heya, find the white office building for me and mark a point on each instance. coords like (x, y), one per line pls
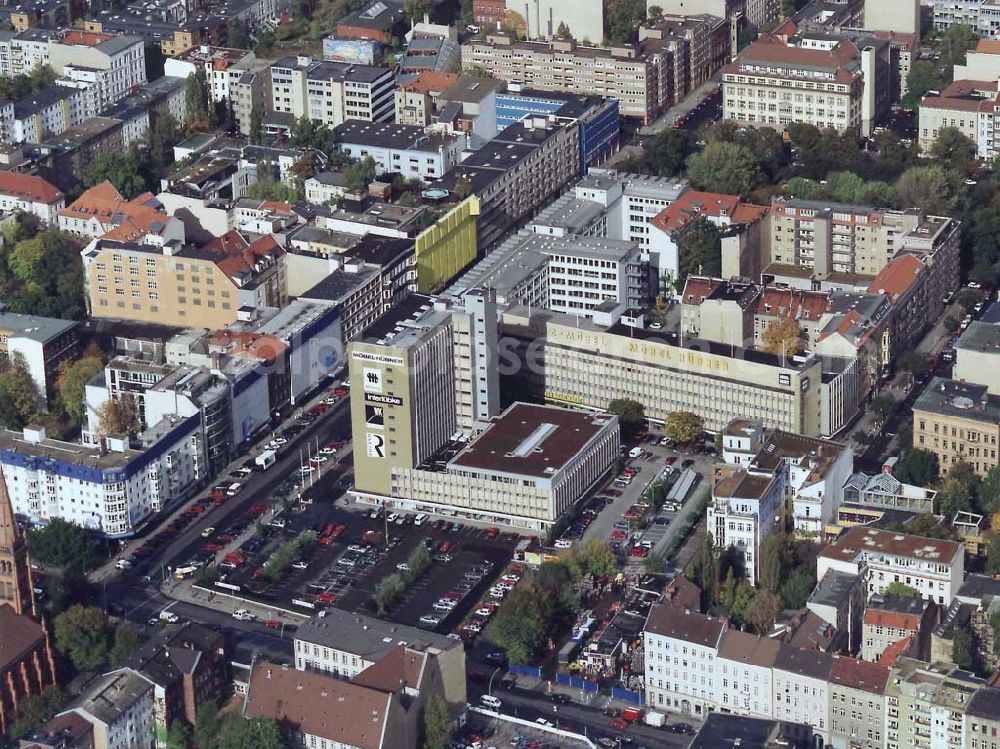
(332, 92)
(403, 149)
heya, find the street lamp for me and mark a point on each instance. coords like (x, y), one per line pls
(489, 689)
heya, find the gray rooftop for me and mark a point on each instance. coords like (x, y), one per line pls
(980, 336)
(834, 589)
(114, 694)
(959, 399)
(570, 213)
(41, 329)
(367, 637)
(390, 135)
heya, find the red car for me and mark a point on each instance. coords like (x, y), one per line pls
(445, 547)
(493, 532)
(326, 597)
(340, 392)
(638, 552)
(618, 536)
(258, 509)
(325, 540)
(214, 547)
(618, 723)
(272, 624)
(338, 531)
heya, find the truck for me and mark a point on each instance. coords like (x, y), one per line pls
(266, 459)
(631, 714)
(655, 719)
(184, 572)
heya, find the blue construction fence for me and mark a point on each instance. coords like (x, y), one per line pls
(626, 695)
(577, 682)
(517, 668)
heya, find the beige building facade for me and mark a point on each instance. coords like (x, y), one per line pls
(958, 421)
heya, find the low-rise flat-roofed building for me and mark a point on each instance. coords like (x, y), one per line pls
(935, 568)
(402, 149)
(958, 421)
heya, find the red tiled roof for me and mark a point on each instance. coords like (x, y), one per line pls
(698, 287)
(851, 672)
(958, 104)
(769, 49)
(125, 220)
(430, 82)
(260, 346)
(897, 277)
(989, 46)
(400, 668)
(234, 255)
(894, 619)
(794, 303)
(85, 38)
(891, 654)
(693, 204)
(29, 186)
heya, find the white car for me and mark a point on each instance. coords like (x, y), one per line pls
(278, 523)
(403, 567)
(484, 611)
(233, 490)
(543, 722)
(393, 517)
(169, 617)
(357, 549)
(300, 565)
(563, 543)
(123, 564)
(473, 29)
(429, 620)
(243, 615)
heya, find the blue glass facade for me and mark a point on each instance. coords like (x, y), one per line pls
(598, 130)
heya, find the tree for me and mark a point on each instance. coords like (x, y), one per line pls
(775, 558)
(683, 426)
(703, 569)
(415, 10)
(795, 591)
(388, 593)
(519, 626)
(35, 710)
(208, 725)
(926, 526)
(917, 466)
(598, 558)
(630, 413)
(783, 337)
(258, 733)
(989, 491)
(60, 543)
(962, 651)
(923, 77)
(131, 173)
(667, 152)
(901, 589)
(699, 248)
(360, 175)
(623, 20)
(726, 168)
(256, 134)
(178, 735)
(952, 150)
(563, 31)
(42, 274)
(928, 188)
(882, 406)
(913, 362)
(436, 724)
(125, 644)
(956, 40)
(18, 87)
(766, 608)
(654, 15)
(119, 416)
(960, 491)
(72, 380)
(82, 634)
(19, 397)
(993, 554)
(196, 98)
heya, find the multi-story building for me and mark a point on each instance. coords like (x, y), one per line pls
(42, 344)
(983, 16)
(26, 193)
(223, 67)
(415, 97)
(119, 705)
(744, 680)
(47, 113)
(401, 149)
(802, 687)
(522, 168)
(101, 211)
(958, 421)
(65, 158)
(857, 704)
(250, 92)
(926, 704)
(331, 92)
(21, 52)
(587, 364)
(889, 619)
(176, 285)
(744, 511)
(969, 109)
(109, 67)
(542, 19)
(188, 667)
(755, 14)
(681, 654)
(773, 84)
(639, 76)
(933, 567)
(977, 356)
(982, 720)
(112, 489)
(574, 276)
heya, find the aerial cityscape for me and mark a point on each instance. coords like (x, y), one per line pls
(488, 374)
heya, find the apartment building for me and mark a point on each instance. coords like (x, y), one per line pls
(47, 113)
(402, 149)
(119, 706)
(745, 673)
(574, 276)
(682, 660)
(802, 688)
(21, 52)
(772, 84)
(111, 490)
(415, 97)
(638, 76)
(332, 92)
(926, 704)
(101, 211)
(982, 720)
(25, 193)
(173, 284)
(977, 356)
(982, 15)
(42, 343)
(250, 91)
(889, 619)
(934, 568)
(958, 421)
(857, 704)
(744, 511)
(223, 67)
(970, 111)
(108, 66)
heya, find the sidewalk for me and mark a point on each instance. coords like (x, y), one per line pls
(684, 107)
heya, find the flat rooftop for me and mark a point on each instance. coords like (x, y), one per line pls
(963, 400)
(366, 636)
(980, 336)
(42, 329)
(531, 440)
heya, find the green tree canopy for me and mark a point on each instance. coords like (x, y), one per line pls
(630, 413)
(917, 466)
(60, 543)
(725, 168)
(699, 248)
(72, 381)
(683, 426)
(82, 635)
(929, 188)
(923, 77)
(19, 396)
(126, 641)
(952, 150)
(901, 589)
(436, 724)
